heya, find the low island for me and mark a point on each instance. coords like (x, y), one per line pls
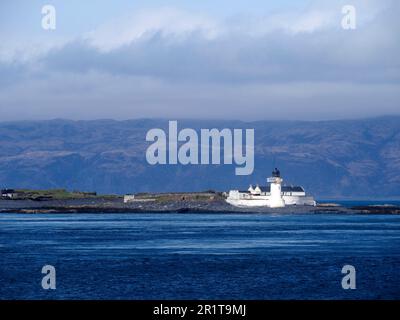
(63, 201)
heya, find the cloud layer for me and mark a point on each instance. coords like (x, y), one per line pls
(172, 63)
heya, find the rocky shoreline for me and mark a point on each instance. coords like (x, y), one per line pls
(116, 205)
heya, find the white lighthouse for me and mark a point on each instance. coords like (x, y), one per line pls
(273, 195)
(276, 199)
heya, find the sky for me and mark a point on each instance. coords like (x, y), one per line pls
(209, 59)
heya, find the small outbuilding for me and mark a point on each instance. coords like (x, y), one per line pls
(9, 193)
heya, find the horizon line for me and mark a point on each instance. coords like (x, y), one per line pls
(200, 119)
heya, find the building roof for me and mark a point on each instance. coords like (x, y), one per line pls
(6, 191)
(284, 189)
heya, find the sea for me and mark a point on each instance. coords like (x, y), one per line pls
(199, 256)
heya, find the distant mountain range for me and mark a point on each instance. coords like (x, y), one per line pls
(331, 159)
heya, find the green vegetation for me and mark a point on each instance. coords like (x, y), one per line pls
(61, 194)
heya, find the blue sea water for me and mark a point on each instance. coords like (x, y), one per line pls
(199, 256)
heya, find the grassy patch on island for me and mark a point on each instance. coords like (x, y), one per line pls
(60, 194)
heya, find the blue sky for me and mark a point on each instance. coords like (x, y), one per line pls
(205, 59)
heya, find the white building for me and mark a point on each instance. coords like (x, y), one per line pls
(129, 198)
(274, 195)
(9, 193)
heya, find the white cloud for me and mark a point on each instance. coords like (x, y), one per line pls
(173, 24)
(170, 62)
(170, 23)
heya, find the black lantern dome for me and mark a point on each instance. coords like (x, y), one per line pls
(276, 173)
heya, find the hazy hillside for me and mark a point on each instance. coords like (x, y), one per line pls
(359, 158)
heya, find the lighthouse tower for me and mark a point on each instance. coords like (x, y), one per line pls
(276, 200)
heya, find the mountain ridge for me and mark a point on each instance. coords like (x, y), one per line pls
(355, 158)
